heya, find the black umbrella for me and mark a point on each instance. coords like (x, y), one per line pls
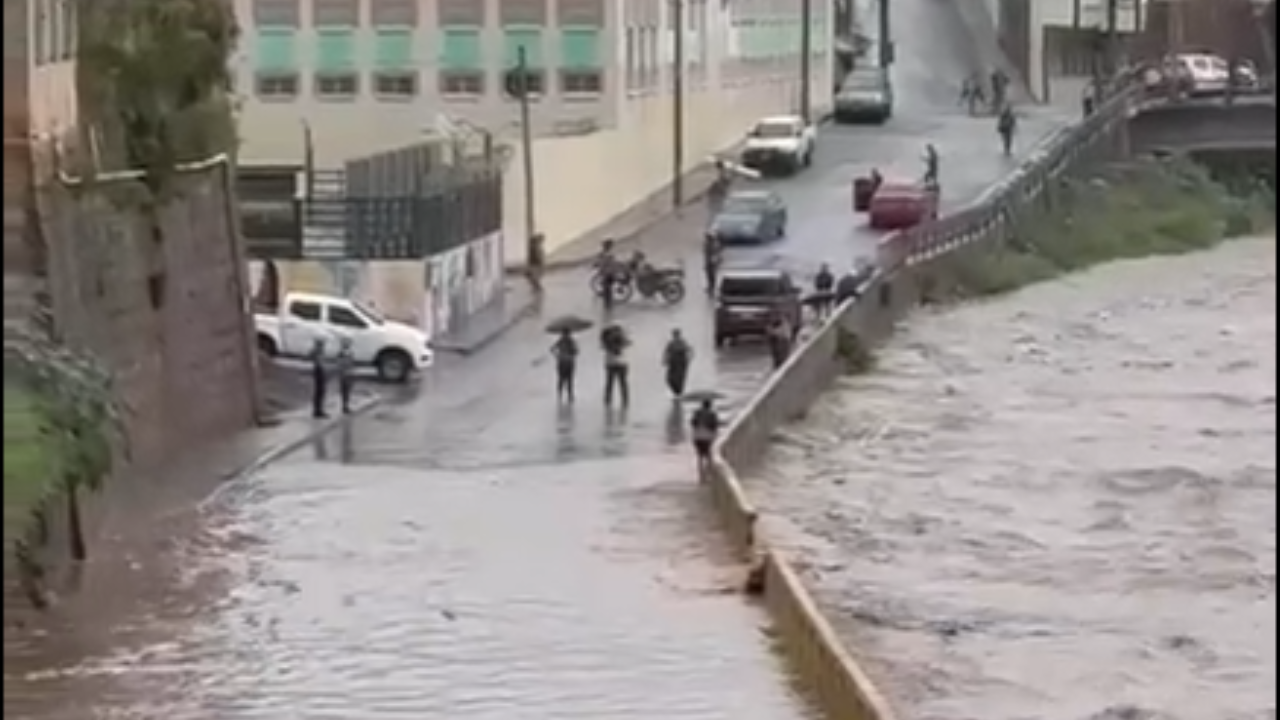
(569, 323)
(698, 396)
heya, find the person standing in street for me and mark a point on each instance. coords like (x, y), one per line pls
(319, 379)
(677, 357)
(615, 342)
(780, 337)
(824, 286)
(565, 351)
(705, 424)
(712, 255)
(346, 368)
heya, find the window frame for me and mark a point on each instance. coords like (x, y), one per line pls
(263, 80)
(320, 78)
(379, 77)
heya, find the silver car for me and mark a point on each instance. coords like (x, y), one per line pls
(866, 95)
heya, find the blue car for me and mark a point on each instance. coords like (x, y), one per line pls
(750, 217)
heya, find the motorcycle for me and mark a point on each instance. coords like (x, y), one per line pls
(622, 281)
(666, 283)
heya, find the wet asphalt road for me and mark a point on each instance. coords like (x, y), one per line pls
(472, 551)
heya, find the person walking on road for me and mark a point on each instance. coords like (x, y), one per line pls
(615, 342)
(565, 352)
(705, 424)
(930, 166)
(712, 255)
(1007, 127)
(781, 335)
(319, 379)
(677, 357)
(346, 369)
(824, 285)
(999, 89)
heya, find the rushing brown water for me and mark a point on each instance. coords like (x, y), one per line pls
(1060, 504)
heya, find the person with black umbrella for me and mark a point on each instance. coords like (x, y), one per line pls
(677, 357)
(565, 352)
(614, 341)
(705, 424)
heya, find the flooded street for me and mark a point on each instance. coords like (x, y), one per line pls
(1058, 505)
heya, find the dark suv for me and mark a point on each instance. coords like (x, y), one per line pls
(746, 300)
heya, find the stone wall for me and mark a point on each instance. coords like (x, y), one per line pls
(162, 303)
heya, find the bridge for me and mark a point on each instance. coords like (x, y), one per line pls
(1206, 126)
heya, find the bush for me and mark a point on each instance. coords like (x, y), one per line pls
(1154, 207)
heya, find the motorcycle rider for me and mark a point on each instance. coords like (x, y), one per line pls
(712, 255)
(1007, 126)
(609, 270)
(930, 166)
(677, 357)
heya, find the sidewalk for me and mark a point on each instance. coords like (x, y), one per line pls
(487, 325)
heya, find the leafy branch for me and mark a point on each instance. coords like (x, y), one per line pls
(154, 81)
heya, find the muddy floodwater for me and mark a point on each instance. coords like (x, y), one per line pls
(1058, 505)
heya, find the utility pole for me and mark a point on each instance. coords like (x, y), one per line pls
(886, 35)
(1113, 38)
(806, 60)
(677, 103)
(519, 86)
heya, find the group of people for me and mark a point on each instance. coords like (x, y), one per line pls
(677, 358)
(973, 92)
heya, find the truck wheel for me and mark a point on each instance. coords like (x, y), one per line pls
(267, 346)
(394, 365)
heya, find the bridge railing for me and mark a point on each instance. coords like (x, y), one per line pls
(819, 661)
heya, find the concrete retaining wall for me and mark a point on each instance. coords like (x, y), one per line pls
(913, 262)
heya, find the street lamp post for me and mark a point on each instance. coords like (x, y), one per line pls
(806, 59)
(677, 103)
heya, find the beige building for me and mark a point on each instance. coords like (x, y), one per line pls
(365, 76)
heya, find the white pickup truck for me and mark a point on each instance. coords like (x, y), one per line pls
(393, 349)
(784, 142)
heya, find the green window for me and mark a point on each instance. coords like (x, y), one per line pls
(335, 50)
(580, 48)
(514, 39)
(460, 49)
(275, 50)
(393, 49)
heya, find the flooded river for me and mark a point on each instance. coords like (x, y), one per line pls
(1058, 505)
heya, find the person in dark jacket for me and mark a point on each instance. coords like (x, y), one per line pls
(346, 369)
(780, 334)
(677, 357)
(850, 285)
(824, 286)
(705, 424)
(615, 342)
(565, 352)
(712, 255)
(319, 379)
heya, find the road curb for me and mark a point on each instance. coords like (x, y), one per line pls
(489, 338)
(231, 480)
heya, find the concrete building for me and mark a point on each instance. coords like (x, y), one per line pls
(1053, 43)
(369, 75)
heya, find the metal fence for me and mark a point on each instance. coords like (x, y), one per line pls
(409, 203)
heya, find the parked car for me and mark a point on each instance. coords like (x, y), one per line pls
(746, 301)
(866, 95)
(784, 143)
(896, 206)
(1199, 74)
(750, 216)
(395, 350)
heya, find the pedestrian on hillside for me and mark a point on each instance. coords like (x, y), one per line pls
(319, 379)
(999, 89)
(346, 369)
(677, 357)
(614, 341)
(824, 286)
(537, 257)
(565, 351)
(705, 424)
